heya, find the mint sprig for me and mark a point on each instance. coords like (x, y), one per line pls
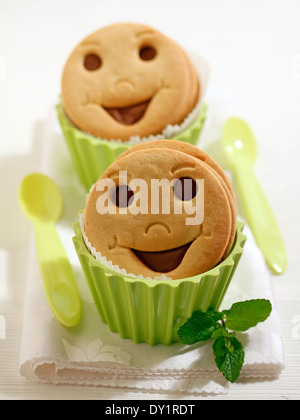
(230, 356)
(222, 327)
(245, 315)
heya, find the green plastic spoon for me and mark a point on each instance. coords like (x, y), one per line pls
(240, 148)
(41, 202)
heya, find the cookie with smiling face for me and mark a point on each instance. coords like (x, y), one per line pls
(160, 242)
(128, 80)
(194, 151)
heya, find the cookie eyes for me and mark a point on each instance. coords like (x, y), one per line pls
(185, 189)
(123, 196)
(92, 62)
(147, 53)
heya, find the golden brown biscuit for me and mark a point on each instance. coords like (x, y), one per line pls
(152, 244)
(195, 89)
(185, 148)
(128, 80)
(207, 159)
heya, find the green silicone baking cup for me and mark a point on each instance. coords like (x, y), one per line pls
(91, 156)
(151, 311)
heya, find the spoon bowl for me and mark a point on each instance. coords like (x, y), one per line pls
(239, 141)
(41, 202)
(40, 198)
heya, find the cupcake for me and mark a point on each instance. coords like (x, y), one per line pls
(126, 84)
(159, 239)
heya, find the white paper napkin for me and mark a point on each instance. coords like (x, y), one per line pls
(92, 355)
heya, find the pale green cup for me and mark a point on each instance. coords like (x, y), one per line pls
(91, 156)
(151, 311)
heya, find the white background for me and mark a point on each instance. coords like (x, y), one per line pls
(253, 48)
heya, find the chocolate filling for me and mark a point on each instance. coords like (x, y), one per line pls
(92, 62)
(130, 114)
(163, 261)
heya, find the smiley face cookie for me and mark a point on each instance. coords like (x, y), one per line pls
(194, 151)
(128, 80)
(123, 225)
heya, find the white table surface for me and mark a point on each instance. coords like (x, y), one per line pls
(254, 51)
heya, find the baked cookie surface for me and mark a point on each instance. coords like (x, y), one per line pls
(194, 151)
(128, 80)
(160, 243)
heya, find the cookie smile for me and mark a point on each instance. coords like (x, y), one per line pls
(163, 261)
(129, 115)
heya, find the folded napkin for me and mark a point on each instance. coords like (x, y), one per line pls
(90, 354)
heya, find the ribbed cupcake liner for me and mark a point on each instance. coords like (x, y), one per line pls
(91, 156)
(151, 311)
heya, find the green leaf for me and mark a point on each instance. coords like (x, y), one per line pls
(199, 327)
(230, 356)
(245, 315)
(222, 332)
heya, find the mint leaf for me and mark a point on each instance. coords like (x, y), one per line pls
(199, 327)
(245, 315)
(230, 356)
(222, 332)
(228, 351)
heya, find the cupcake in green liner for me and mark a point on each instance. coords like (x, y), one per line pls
(151, 311)
(150, 267)
(126, 84)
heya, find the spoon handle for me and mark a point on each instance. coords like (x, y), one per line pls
(57, 275)
(260, 217)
